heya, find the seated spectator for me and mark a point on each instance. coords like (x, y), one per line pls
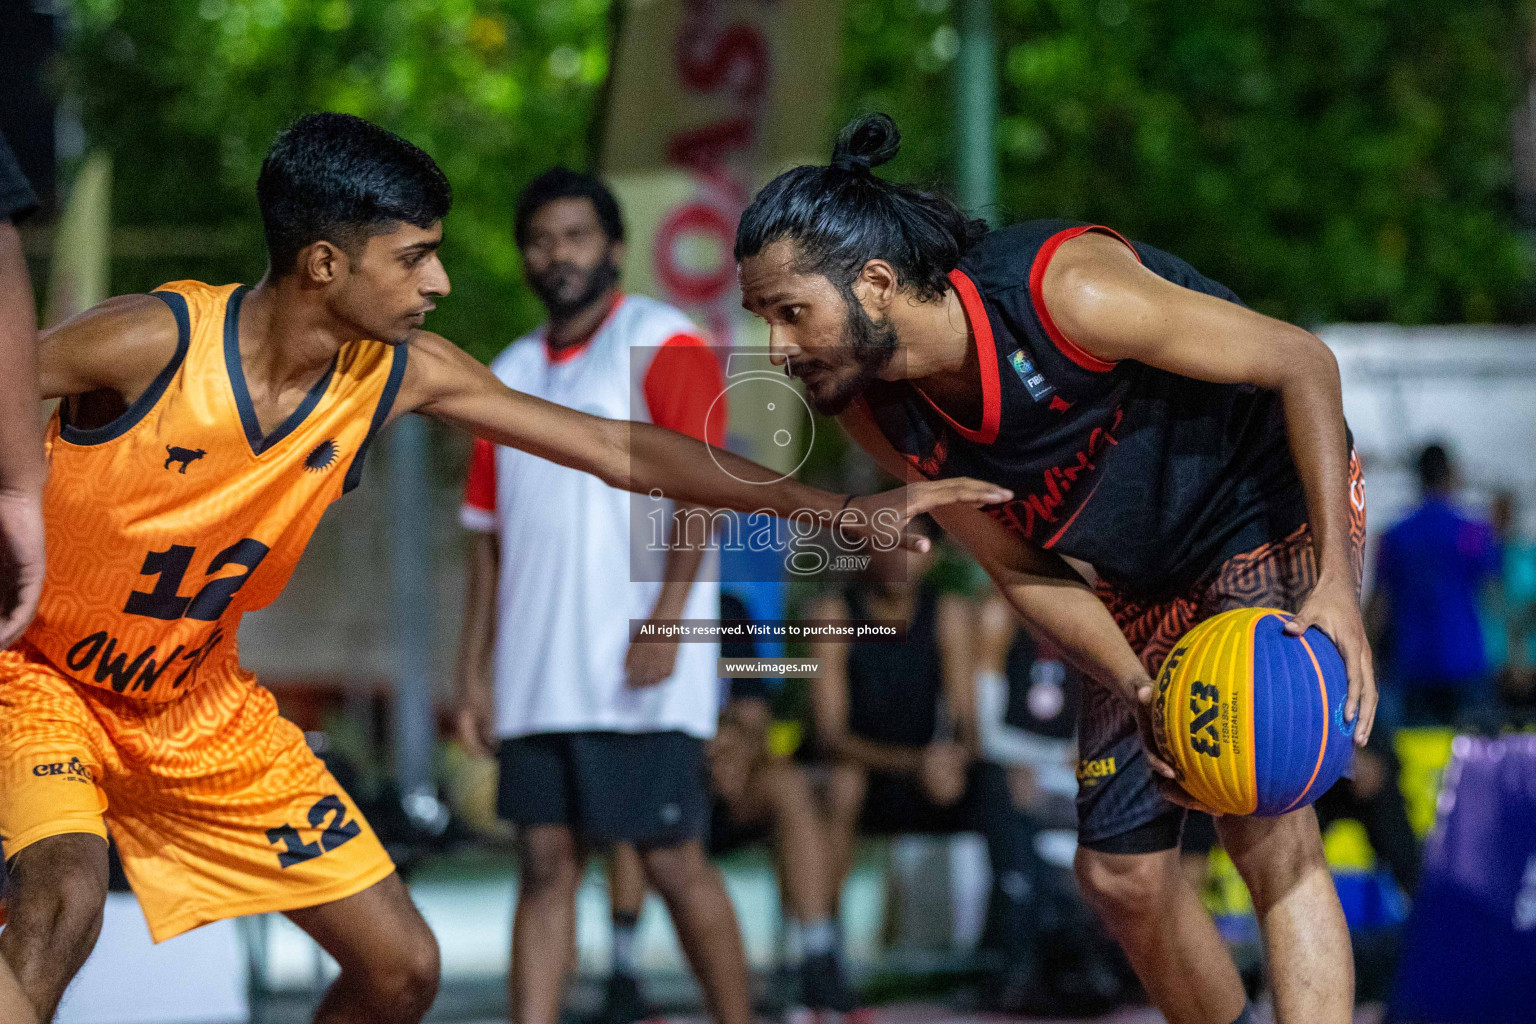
(1372, 797)
(1027, 699)
(897, 724)
(1430, 567)
(760, 796)
(1026, 707)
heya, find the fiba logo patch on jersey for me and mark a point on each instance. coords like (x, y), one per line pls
(1034, 381)
(321, 457)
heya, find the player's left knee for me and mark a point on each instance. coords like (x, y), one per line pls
(676, 869)
(789, 789)
(402, 984)
(1273, 864)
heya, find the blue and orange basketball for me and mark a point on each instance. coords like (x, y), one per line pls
(1251, 718)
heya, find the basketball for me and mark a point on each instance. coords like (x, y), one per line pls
(1252, 719)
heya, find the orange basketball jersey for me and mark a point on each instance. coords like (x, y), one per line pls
(167, 524)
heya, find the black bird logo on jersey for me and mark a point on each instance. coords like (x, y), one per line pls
(322, 457)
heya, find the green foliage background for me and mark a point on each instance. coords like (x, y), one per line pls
(187, 94)
(1329, 159)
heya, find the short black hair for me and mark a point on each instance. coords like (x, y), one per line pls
(841, 216)
(564, 183)
(340, 178)
(1435, 468)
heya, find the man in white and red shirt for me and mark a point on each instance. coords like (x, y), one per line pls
(600, 738)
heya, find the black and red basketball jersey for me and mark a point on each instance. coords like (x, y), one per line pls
(1152, 478)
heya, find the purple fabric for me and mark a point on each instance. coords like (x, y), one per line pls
(1430, 567)
(1469, 954)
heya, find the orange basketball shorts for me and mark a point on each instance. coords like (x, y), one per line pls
(217, 805)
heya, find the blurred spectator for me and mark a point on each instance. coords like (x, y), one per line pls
(1512, 632)
(897, 722)
(1027, 700)
(757, 798)
(600, 737)
(623, 1002)
(1430, 567)
(763, 797)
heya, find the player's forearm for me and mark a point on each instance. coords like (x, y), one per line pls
(479, 633)
(680, 569)
(21, 446)
(1071, 617)
(686, 469)
(881, 757)
(1313, 401)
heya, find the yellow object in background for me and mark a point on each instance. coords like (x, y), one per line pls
(1347, 848)
(1423, 755)
(784, 738)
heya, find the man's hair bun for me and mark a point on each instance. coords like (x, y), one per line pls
(866, 142)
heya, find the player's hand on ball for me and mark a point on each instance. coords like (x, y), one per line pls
(648, 664)
(878, 515)
(1333, 608)
(21, 562)
(1163, 773)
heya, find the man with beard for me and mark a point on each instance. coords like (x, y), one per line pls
(1172, 454)
(600, 739)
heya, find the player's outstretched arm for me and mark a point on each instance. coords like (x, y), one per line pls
(21, 443)
(443, 381)
(1113, 308)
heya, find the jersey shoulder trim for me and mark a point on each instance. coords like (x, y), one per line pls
(152, 394)
(986, 354)
(380, 414)
(1037, 269)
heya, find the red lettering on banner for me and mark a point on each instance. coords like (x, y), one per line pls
(710, 58)
(703, 151)
(739, 48)
(691, 286)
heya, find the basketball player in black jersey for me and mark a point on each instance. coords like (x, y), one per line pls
(1172, 454)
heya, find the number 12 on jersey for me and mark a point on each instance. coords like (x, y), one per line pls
(210, 602)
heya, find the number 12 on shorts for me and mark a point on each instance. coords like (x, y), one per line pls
(336, 832)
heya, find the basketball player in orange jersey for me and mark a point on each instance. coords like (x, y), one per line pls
(203, 431)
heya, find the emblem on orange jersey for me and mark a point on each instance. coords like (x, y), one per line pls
(322, 457)
(185, 456)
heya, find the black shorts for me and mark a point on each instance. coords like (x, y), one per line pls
(895, 805)
(650, 789)
(1119, 807)
(728, 833)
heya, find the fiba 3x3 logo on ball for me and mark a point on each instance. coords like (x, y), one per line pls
(1251, 718)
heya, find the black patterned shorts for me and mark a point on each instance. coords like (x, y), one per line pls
(1116, 794)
